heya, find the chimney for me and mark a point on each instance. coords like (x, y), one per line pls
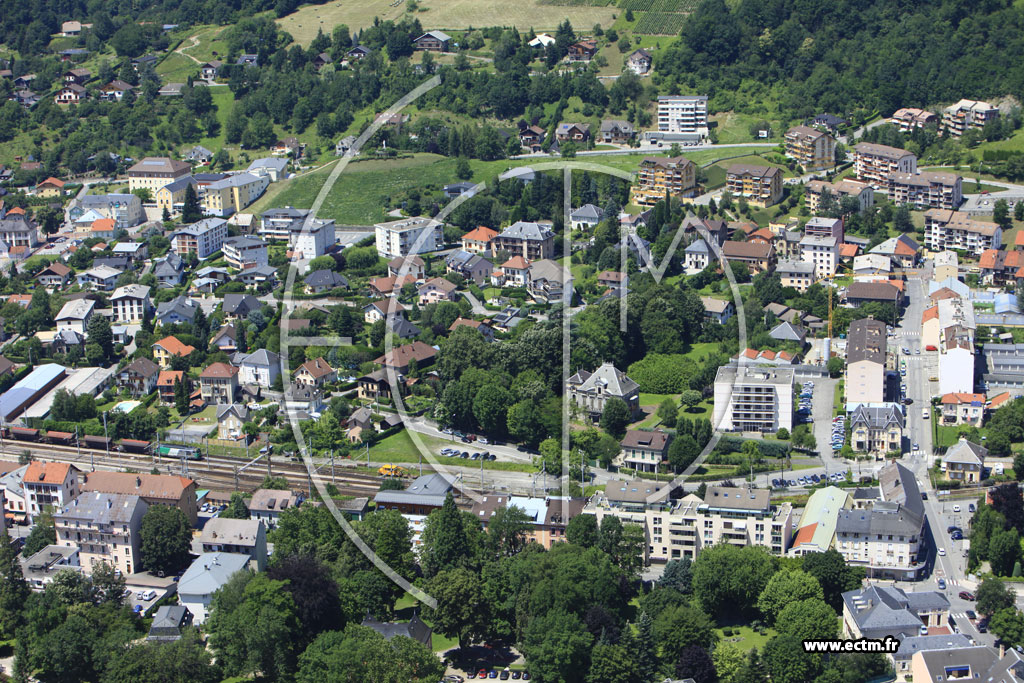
(110, 503)
(138, 482)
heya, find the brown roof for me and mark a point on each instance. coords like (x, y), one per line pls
(878, 291)
(804, 131)
(667, 162)
(746, 250)
(167, 378)
(317, 368)
(174, 346)
(159, 486)
(218, 370)
(56, 268)
(445, 286)
(756, 171)
(400, 357)
(884, 151)
(652, 440)
(142, 366)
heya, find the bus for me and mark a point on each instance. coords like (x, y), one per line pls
(178, 452)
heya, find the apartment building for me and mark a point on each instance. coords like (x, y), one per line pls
(753, 399)
(659, 177)
(967, 663)
(875, 163)
(531, 241)
(406, 236)
(825, 227)
(218, 383)
(877, 429)
(759, 257)
(811, 148)
(839, 190)
(759, 185)
(796, 274)
(154, 489)
(203, 237)
(245, 252)
(866, 350)
(683, 116)
(546, 517)
(965, 462)
(945, 229)
(884, 536)
(125, 209)
(589, 391)
(822, 252)
(232, 194)
(288, 224)
(963, 408)
(909, 118)
(241, 536)
(104, 527)
(48, 485)
(130, 304)
(956, 359)
(961, 117)
(19, 231)
(926, 189)
(152, 173)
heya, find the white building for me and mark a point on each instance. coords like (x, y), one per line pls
(75, 315)
(203, 237)
(697, 256)
(205, 577)
(823, 252)
(130, 303)
(753, 399)
(245, 252)
(683, 115)
(945, 229)
(418, 235)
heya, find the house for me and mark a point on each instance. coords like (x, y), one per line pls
(453, 190)
(877, 429)
(586, 217)
(16, 230)
(166, 382)
(179, 310)
(879, 611)
(358, 52)
(169, 347)
(967, 663)
(203, 238)
(209, 71)
(321, 60)
(53, 276)
(433, 41)
(718, 310)
(218, 383)
(248, 60)
(590, 391)
(753, 399)
(51, 187)
(926, 189)
(153, 173)
(204, 577)
(389, 286)
(874, 163)
(547, 280)
(796, 274)
(72, 28)
(401, 328)
(323, 281)
(811, 148)
(169, 271)
(103, 228)
(572, 132)
(901, 249)
(260, 368)
(470, 265)
(582, 51)
(171, 197)
(408, 236)
(400, 357)
(135, 252)
(514, 272)
(816, 531)
(71, 93)
(104, 527)
(413, 266)
(125, 209)
(659, 177)
(153, 489)
(241, 536)
(40, 569)
(423, 495)
(269, 167)
(268, 504)
(168, 623)
(945, 229)
(313, 374)
(231, 417)
(531, 138)
(374, 386)
(48, 485)
(759, 185)
(139, 376)
(645, 450)
(342, 146)
(131, 303)
(759, 258)
(198, 155)
(963, 408)
(965, 462)
(144, 62)
(75, 316)
(697, 256)
(486, 330)
(966, 114)
(380, 310)
(909, 118)
(532, 241)
(860, 292)
(616, 132)
(436, 290)
(639, 62)
(100, 278)
(239, 306)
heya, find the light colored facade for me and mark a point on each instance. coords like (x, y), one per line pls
(245, 252)
(242, 536)
(418, 235)
(659, 177)
(811, 148)
(48, 485)
(204, 237)
(154, 489)
(816, 531)
(204, 577)
(962, 409)
(843, 188)
(233, 193)
(759, 185)
(683, 114)
(909, 118)
(958, 118)
(945, 229)
(753, 399)
(104, 527)
(866, 350)
(125, 209)
(590, 391)
(796, 274)
(877, 429)
(822, 253)
(945, 264)
(130, 303)
(152, 173)
(926, 189)
(697, 256)
(75, 316)
(965, 462)
(966, 663)
(875, 163)
(531, 241)
(644, 450)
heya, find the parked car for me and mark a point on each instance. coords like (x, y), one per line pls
(967, 595)
(970, 507)
(942, 584)
(942, 553)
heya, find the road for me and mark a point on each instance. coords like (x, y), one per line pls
(478, 308)
(645, 147)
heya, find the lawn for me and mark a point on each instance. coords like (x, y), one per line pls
(401, 448)
(176, 68)
(444, 14)
(746, 637)
(406, 606)
(734, 127)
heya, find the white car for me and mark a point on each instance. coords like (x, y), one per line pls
(956, 508)
(924, 413)
(942, 552)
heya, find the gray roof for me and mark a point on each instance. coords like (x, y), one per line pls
(877, 417)
(885, 610)
(326, 278)
(168, 622)
(698, 246)
(231, 531)
(103, 201)
(549, 270)
(465, 259)
(142, 366)
(524, 230)
(181, 183)
(13, 481)
(201, 226)
(785, 331)
(794, 266)
(899, 512)
(414, 628)
(866, 341)
(401, 327)
(210, 571)
(238, 409)
(170, 266)
(587, 212)
(183, 306)
(966, 452)
(614, 381)
(979, 663)
(632, 491)
(78, 309)
(260, 357)
(233, 302)
(733, 498)
(437, 35)
(429, 489)
(102, 508)
(911, 644)
(276, 163)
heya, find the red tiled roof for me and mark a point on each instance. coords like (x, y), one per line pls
(480, 234)
(930, 314)
(517, 263)
(988, 258)
(218, 370)
(174, 346)
(805, 534)
(167, 378)
(999, 399)
(848, 250)
(46, 472)
(1018, 240)
(56, 182)
(958, 397)
(400, 357)
(317, 368)
(103, 225)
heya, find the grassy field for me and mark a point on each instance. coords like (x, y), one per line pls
(400, 448)
(746, 637)
(446, 14)
(176, 68)
(734, 127)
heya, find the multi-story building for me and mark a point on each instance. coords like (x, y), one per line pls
(759, 185)
(231, 194)
(125, 209)
(19, 231)
(130, 303)
(926, 189)
(241, 536)
(406, 236)
(816, 531)
(644, 449)
(759, 257)
(965, 462)
(963, 408)
(478, 240)
(876, 611)
(753, 399)
(811, 148)
(945, 229)
(819, 226)
(865, 361)
(532, 241)
(245, 252)
(218, 383)
(48, 485)
(909, 118)
(546, 517)
(885, 536)
(152, 173)
(683, 116)
(822, 252)
(75, 316)
(958, 118)
(875, 163)
(840, 189)
(956, 359)
(697, 256)
(154, 489)
(877, 429)
(965, 664)
(659, 177)
(104, 527)
(171, 197)
(203, 237)
(168, 348)
(259, 368)
(288, 224)
(796, 274)
(590, 391)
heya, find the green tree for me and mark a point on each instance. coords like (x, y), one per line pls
(835, 366)
(690, 398)
(787, 586)
(490, 408)
(1018, 457)
(461, 611)
(678, 575)
(729, 659)
(667, 412)
(1008, 624)
(615, 417)
(1018, 211)
(361, 654)
(556, 646)
(680, 627)
(682, 452)
(14, 590)
(611, 664)
(185, 660)
(507, 530)
(463, 171)
(809, 619)
(236, 509)
(646, 655)
(101, 337)
(833, 574)
(525, 423)
(164, 539)
(108, 584)
(43, 534)
(582, 530)
(993, 595)
(787, 662)
(445, 541)
(1001, 214)
(1004, 551)
(728, 579)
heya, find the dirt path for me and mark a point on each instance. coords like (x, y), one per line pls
(195, 43)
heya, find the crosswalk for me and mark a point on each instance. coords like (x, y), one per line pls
(958, 616)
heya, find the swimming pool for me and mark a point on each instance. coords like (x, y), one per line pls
(127, 406)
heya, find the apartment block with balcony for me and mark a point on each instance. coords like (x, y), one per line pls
(822, 252)
(661, 176)
(909, 118)
(759, 185)
(961, 117)
(753, 399)
(839, 190)
(406, 236)
(685, 116)
(926, 189)
(531, 241)
(811, 148)
(875, 163)
(945, 229)
(204, 237)
(104, 527)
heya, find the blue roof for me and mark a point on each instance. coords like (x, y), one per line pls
(30, 385)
